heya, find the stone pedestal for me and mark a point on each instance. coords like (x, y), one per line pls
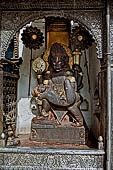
(48, 131)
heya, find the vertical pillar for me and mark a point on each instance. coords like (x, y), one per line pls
(0, 31)
(111, 46)
(109, 92)
(1, 103)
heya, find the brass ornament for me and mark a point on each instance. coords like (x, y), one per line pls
(34, 36)
(39, 65)
(76, 56)
(80, 37)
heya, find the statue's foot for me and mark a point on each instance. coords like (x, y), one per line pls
(40, 117)
(44, 113)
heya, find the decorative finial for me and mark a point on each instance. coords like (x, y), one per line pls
(100, 143)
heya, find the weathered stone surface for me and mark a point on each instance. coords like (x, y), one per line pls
(50, 133)
(49, 159)
(1, 159)
(64, 4)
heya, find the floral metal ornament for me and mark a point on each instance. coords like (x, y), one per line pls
(32, 37)
(81, 38)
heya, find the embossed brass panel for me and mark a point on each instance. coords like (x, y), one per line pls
(57, 31)
(60, 37)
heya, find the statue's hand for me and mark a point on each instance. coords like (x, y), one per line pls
(39, 89)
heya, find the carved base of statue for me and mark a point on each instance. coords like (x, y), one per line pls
(50, 132)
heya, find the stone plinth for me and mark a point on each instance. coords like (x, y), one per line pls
(48, 131)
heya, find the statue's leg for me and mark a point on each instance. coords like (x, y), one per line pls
(75, 111)
(45, 108)
(45, 105)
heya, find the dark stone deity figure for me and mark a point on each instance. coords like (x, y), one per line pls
(56, 101)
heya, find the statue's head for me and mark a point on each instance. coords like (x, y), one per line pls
(58, 58)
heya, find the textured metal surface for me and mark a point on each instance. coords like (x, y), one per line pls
(49, 159)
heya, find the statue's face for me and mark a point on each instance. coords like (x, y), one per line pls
(58, 58)
(58, 62)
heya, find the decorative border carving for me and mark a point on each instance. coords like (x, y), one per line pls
(50, 4)
(52, 161)
(13, 21)
(6, 36)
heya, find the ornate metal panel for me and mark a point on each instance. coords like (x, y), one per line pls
(6, 36)
(10, 104)
(13, 21)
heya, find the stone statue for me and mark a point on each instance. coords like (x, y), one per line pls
(56, 100)
(58, 93)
